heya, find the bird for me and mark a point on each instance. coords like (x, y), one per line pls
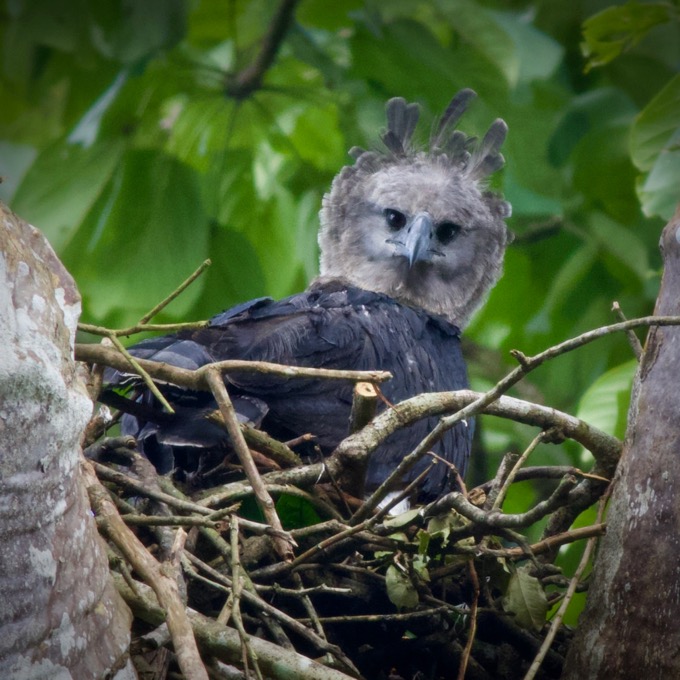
(411, 242)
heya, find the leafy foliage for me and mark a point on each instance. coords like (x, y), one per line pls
(124, 137)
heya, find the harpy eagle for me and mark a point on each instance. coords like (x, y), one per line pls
(411, 243)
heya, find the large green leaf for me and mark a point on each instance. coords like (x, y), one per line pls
(146, 234)
(400, 588)
(63, 184)
(130, 31)
(605, 404)
(407, 49)
(483, 30)
(655, 148)
(601, 159)
(327, 15)
(315, 135)
(525, 598)
(656, 128)
(200, 128)
(621, 243)
(659, 192)
(616, 29)
(537, 54)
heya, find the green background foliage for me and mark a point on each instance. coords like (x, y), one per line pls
(124, 137)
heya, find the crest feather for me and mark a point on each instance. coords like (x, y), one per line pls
(474, 159)
(486, 158)
(402, 119)
(454, 111)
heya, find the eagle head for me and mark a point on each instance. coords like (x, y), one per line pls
(418, 224)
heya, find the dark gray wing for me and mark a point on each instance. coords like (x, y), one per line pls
(331, 326)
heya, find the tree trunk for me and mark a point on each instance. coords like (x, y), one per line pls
(59, 614)
(629, 628)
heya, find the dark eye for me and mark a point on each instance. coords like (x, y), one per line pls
(446, 231)
(395, 219)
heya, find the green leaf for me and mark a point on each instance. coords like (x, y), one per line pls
(407, 48)
(402, 519)
(400, 590)
(484, 30)
(655, 149)
(537, 54)
(317, 139)
(621, 243)
(130, 31)
(605, 403)
(63, 184)
(296, 512)
(571, 271)
(440, 526)
(525, 598)
(596, 172)
(134, 248)
(655, 129)
(616, 29)
(330, 16)
(659, 192)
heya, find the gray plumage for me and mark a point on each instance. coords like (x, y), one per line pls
(445, 185)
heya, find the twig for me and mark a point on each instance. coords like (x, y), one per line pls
(538, 548)
(283, 543)
(144, 564)
(497, 519)
(569, 594)
(498, 502)
(134, 486)
(384, 618)
(494, 486)
(176, 293)
(142, 373)
(526, 365)
(473, 621)
(263, 606)
(261, 441)
(98, 354)
(633, 339)
(309, 607)
(102, 331)
(172, 520)
(142, 324)
(224, 643)
(236, 576)
(378, 495)
(605, 448)
(543, 472)
(247, 81)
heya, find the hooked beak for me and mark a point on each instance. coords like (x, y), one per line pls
(416, 245)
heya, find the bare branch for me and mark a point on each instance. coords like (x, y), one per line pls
(163, 585)
(282, 542)
(97, 354)
(243, 84)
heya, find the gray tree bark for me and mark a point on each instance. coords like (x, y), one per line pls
(60, 616)
(629, 628)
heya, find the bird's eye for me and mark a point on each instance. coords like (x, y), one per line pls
(395, 219)
(446, 231)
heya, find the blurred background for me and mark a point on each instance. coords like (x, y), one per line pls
(145, 137)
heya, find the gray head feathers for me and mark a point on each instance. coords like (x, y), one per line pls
(418, 224)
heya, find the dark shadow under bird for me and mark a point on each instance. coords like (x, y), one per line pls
(411, 243)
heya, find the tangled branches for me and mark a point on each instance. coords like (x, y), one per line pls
(325, 576)
(281, 565)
